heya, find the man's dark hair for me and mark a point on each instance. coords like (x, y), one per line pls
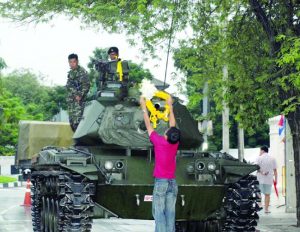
(113, 49)
(265, 149)
(73, 56)
(173, 135)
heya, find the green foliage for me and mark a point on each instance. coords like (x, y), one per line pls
(24, 98)
(55, 101)
(25, 85)
(2, 64)
(138, 73)
(289, 59)
(38, 99)
(154, 20)
(7, 179)
(257, 41)
(13, 111)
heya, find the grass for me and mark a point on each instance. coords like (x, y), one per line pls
(7, 179)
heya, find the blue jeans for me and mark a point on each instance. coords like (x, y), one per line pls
(163, 205)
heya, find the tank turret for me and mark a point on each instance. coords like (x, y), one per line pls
(115, 117)
(121, 123)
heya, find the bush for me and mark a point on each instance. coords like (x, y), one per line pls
(7, 179)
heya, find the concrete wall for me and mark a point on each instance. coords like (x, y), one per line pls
(5, 164)
(277, 147)
(290, 174)
(283, 153)
(250, 154)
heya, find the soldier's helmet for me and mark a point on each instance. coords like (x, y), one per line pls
(113, 49)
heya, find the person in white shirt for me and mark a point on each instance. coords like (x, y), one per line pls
(268, 169)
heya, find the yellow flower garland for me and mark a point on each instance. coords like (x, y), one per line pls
(155, 114)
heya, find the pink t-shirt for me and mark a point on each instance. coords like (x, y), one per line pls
(165, 156)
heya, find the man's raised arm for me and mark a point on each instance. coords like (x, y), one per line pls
(146, 116)
(172, 121)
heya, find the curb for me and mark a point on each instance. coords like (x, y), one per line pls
(11, 185)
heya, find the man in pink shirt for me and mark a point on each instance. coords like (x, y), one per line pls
(165, 186)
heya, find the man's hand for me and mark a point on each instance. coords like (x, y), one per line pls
(143, 103)
(275, 174)
(78, 98)
(172, 121)
(145, 115)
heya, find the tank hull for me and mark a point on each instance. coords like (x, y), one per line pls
(119, 182)
(193, 202)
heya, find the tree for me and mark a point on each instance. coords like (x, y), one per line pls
(13, 111)
(196, 67)
(25, 85)
(152, 20)
(24, 98)
(37, 98)
(138, 72)
(55, 101)
(257, 40)
(2, 64)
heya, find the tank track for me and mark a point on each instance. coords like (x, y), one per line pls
(240, 205)
(61, 202)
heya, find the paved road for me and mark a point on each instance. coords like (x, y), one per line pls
(14, 217)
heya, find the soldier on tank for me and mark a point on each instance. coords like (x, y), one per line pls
(117, 69)
(113, 53)
(113, 74)
(78, 86)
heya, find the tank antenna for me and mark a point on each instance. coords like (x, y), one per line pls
(169, 43)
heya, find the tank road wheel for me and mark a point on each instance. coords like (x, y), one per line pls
(61, 202)
(35, 205)
(57, 217)
(43, 215)
(49, 215)
(241, 205)
(53, 221)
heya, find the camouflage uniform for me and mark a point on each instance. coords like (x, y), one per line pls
(77, 85)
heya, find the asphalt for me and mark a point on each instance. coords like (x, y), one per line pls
(14, 217)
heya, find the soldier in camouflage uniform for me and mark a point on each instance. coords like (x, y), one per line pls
(78, 86)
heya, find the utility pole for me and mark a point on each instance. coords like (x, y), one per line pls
(241, 143)
(204, 114)
(225, 116)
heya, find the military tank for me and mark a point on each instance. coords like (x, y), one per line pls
(108, 171)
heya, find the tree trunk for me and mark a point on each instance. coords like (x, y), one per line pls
(294, 123)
